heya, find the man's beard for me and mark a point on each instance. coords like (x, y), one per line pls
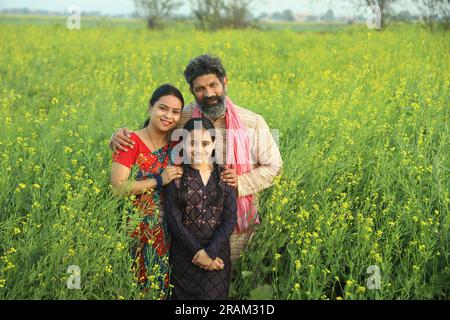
(213, 111)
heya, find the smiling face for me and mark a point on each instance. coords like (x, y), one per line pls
(165, 113)
(199, 146)
(210, 94)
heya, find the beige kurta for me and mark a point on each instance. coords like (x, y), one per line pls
(265, 155)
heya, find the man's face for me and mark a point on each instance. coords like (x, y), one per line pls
(210, 95)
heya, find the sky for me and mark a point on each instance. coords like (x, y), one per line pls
(317, 7)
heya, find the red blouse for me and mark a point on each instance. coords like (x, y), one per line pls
(128, 159)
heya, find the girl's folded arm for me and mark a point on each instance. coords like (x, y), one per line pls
(174, 221)
(229, 220)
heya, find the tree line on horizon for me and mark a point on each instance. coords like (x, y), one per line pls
(237, 14)
(217, 14)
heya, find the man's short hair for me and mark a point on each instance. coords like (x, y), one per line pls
(204, 64)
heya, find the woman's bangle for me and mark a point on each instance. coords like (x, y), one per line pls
(110, 139)
(159, 182)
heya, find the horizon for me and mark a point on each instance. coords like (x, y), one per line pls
(126, 7)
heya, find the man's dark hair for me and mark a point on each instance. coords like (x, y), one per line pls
(204, 64)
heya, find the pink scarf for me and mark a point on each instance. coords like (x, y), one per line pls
(238, 158)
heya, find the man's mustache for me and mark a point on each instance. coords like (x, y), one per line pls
(208, 99)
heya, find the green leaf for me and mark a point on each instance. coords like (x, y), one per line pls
(264, 292)
(246, 274)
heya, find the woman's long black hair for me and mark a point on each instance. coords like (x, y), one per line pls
(162, 91)
(206, 124)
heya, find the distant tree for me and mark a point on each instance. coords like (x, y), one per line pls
(216, 14)
(156, 10)
(239, 13)
(134, 15)
(263, 15)
(384, 5)
(208, 13)
(329, 15)
(277, 16)
(403, 15)
(311, 18)
(435, 11)
(288, 15)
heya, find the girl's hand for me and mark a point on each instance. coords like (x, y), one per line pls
(201, 259)
(170, 173)
(217, 264)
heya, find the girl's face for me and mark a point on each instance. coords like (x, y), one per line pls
(199, 146)
(165, 113)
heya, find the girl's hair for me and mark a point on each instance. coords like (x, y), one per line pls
(164, 90)
(205, 124)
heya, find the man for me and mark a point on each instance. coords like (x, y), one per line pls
(240, 135)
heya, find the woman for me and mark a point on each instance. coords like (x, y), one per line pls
(151, 153)
(201, 215)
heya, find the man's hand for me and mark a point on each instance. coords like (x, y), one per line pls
(230, 177)
(121, 140)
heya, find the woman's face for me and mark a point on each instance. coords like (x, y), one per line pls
(199, 146)
(165, 113)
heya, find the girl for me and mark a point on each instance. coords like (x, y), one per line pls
(151, 154)
(201, 215)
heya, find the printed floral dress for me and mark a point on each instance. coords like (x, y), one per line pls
(151, 249)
